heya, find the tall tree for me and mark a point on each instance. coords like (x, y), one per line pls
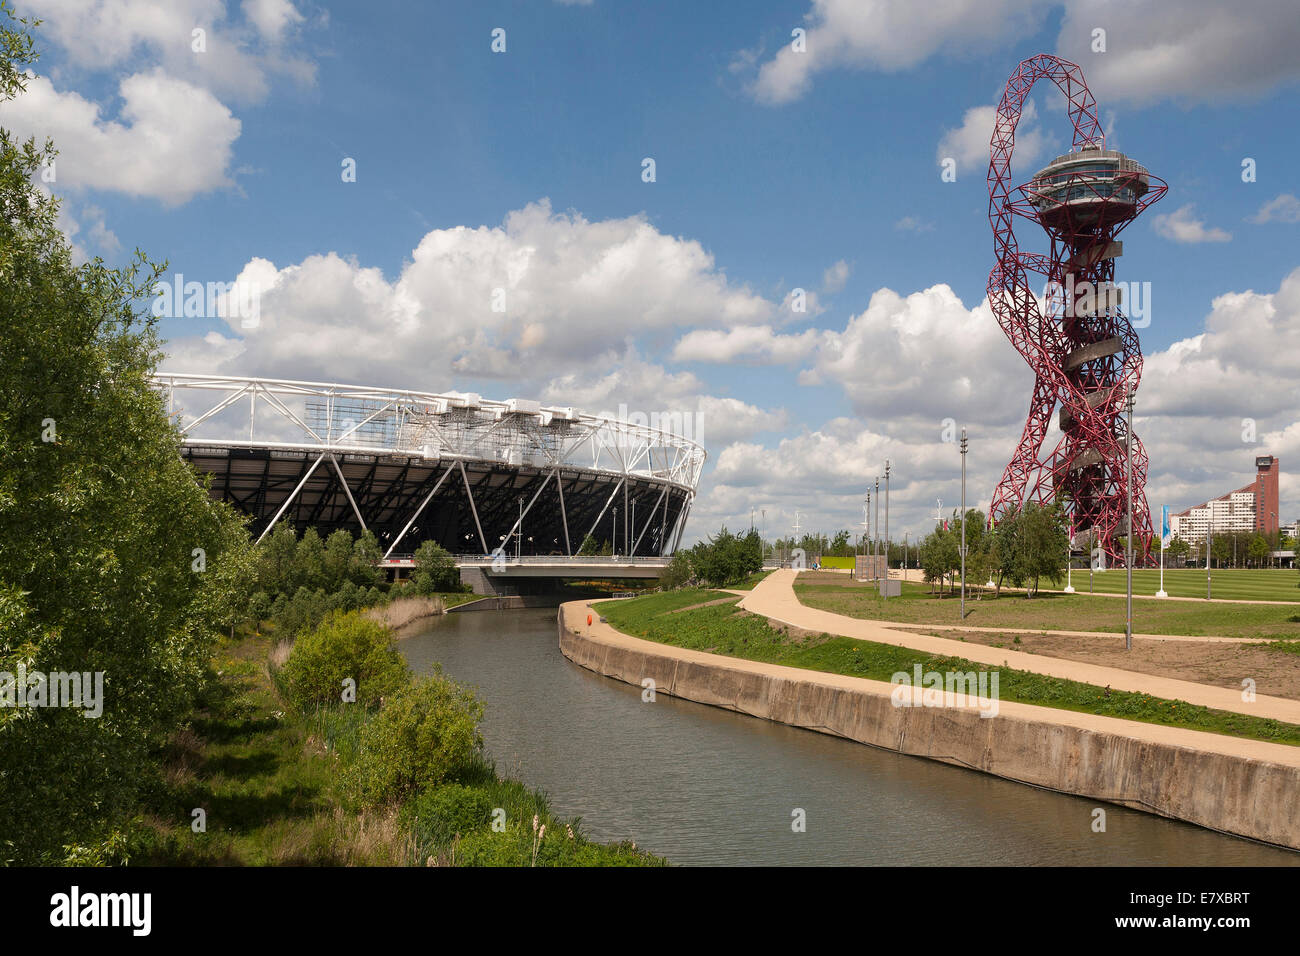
(113, 558)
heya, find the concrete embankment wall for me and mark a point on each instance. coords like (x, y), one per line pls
(508, 603)
(1247, 796)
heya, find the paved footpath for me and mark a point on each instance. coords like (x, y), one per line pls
(575, 615)
(774, 598)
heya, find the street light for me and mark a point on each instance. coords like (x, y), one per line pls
(866, 521)
(963, 524)
(876, 521)
(886, 529)
(1128, 530)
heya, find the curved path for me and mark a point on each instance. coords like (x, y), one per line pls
(774, 598)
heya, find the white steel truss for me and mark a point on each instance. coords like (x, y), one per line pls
(327, 421)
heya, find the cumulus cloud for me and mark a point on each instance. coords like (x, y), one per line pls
(1187, 50)
(911, 361)
(236, 59)
(1182, 225)
(545, 298)
(968, 143)
(748, 345)
(1283, 208)
(171, 139)
(887, 35)
(835, 277)
(273, 18)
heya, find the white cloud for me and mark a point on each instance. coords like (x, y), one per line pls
(171, 141)
(1283, 208)
(910, 362)
(888, 35)
(749, 345)
(1186, 50)
(912, 224)
(272, 17)
(835, 277)
(238, 59)
(1182, 225)
(1189, 50)
(969, 142)
(574, 293)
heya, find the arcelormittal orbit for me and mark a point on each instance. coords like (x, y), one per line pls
(1083, 350)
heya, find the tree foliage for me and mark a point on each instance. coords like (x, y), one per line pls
(113, 558)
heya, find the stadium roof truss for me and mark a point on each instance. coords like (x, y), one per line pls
(333, 453)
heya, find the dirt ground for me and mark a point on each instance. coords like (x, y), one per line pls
(1276, 673)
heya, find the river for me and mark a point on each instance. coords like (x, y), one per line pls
(700, 785)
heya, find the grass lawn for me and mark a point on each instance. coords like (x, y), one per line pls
(725, 629)
(1048, 610)
(1240, 584)
(752, 581)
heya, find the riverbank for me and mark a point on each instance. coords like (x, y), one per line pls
(270, 783)
(1243, 787)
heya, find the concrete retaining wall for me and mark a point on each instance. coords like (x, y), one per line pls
(1244, 796)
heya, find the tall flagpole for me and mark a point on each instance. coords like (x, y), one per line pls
(1164, 533)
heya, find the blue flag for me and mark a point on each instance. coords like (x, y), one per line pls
(1164, 527)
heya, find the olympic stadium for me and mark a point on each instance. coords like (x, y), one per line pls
(513, 480)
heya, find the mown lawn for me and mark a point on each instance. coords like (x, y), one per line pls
(725, 629)
(1047, 610)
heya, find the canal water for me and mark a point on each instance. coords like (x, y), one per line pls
(700, 785)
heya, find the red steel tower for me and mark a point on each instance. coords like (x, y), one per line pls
(1083, 350)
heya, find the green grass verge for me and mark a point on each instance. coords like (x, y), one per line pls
(1048, 611)
(1238, 584)
(268, 781)
(752, 581)
(724, 629)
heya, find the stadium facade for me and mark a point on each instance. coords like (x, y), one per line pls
(480, 477)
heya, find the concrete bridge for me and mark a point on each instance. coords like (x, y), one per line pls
(508, 574)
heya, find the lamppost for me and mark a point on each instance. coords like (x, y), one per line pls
(866, 522)
(876, 522)
(519, 536)
(613, 544)
(1128, 527)
(886, 529)
(963, 524)
(906, 534)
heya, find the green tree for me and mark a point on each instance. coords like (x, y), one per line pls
(436, 562)
(309, 561)
(1259, 550)
(589, 547)
(113, 558)
(337, 560)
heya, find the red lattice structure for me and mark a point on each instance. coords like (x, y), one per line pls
(1083, 350)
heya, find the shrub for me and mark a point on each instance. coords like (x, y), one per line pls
(343, 646)
(425, 735)
(451, 809)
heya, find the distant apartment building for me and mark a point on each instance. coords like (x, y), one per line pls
(1252, 508)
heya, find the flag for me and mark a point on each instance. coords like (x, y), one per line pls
(1164, 527)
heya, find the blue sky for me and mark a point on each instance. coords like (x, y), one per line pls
(771, 168)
